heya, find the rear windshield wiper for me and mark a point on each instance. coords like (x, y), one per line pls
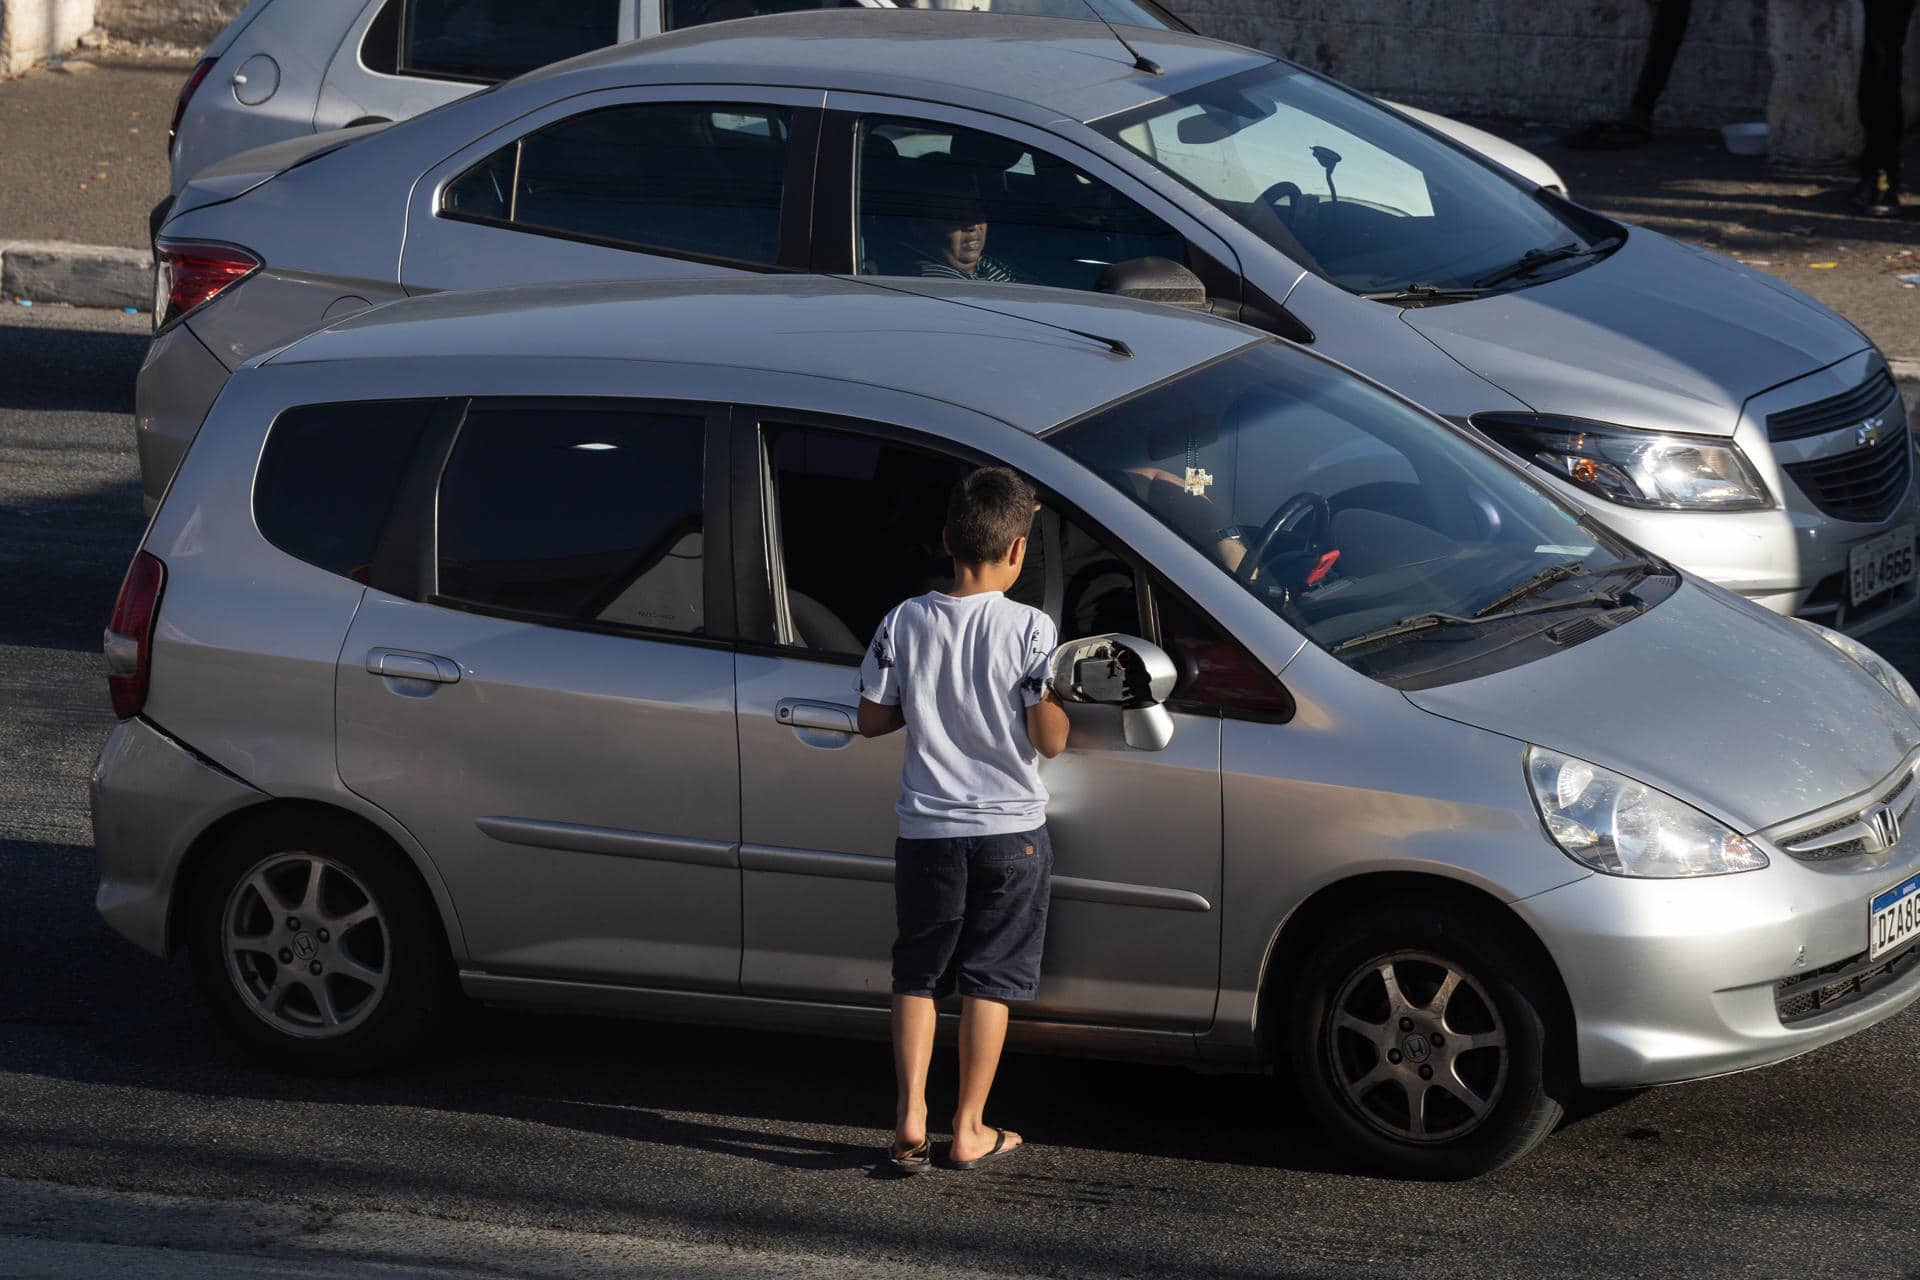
(1536, 258)
(1422, 294)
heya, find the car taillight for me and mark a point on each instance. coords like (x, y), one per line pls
(187, 275)
(186, 95)
(129, 638)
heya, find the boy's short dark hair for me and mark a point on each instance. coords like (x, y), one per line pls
(988, 510)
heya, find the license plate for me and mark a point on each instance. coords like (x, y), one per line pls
(1880, 564)
(1893, 918)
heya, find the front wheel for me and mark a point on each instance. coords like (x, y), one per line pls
(317, 946)
(1420, 1040)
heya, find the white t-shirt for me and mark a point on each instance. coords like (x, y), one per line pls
(963, 670)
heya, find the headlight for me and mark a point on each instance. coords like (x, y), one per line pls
(1875, 665)
(1627, 828)
(1633, 468)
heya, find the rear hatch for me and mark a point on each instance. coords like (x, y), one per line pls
(241, 173)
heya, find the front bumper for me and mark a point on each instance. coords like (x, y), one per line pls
(1793, 557)
(1675, 980)
(152, 798)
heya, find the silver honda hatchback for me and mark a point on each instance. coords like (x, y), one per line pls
(502, 643)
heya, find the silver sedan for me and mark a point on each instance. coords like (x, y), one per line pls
(1692, 404)
(503, 643)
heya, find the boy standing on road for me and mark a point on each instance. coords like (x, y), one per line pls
(965, 673)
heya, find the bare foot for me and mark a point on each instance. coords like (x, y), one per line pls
(979, 1141)
(909, 1130)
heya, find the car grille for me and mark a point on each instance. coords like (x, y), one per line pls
(1808, 995)
(1817, 845)
(1848, 409)
(1830, 605)
(1863, 485)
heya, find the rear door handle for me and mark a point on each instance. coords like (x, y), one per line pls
(801, 713)
(408, 665)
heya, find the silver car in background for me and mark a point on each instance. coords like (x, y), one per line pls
(1702, 409)
(291, 68)
(504, 643)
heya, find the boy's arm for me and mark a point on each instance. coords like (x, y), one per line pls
(878, 719)
(1047, 725)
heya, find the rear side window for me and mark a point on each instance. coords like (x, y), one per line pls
(576, 516)
(699, 179)
(494, 39)
(328, 479)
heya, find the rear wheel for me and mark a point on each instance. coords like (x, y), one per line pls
(1420, 1040)
(317, 946)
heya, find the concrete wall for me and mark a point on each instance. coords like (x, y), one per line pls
(33, 30)
(187, 22)
(1555, 60)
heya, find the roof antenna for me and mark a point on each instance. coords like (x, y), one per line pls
(1141, 62)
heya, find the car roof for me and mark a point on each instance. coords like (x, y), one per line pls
(1008, 351)
(1062, 65)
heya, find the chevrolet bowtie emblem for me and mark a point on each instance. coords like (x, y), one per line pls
(1869, 432)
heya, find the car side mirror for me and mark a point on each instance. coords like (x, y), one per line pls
(1153, 280)
(1120, 671)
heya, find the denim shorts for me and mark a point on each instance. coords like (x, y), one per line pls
(972, 914)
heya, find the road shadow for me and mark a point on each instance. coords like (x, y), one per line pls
(51, 368)
(62, 556)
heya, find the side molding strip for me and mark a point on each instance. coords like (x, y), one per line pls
(860, 866)
(573, 837)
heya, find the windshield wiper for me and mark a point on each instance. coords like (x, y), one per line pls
(1428, 621)
(1533, 259)
(1558, 573)
(1416, 294)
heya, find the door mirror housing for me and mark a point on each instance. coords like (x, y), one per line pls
(1154, 280)
(1120, 671)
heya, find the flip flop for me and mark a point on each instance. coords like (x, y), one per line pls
(913, 1160)
(1000, 1151)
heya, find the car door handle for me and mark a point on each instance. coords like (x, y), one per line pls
(800, 713)
(408, 665)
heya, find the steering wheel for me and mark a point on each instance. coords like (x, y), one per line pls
(1271, 199)
(1288, 517)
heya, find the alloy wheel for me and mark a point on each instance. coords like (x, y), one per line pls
(1417, 1047)
(307, 946)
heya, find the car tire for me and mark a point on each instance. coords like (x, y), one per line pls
(1364, 1053)
(317, 946)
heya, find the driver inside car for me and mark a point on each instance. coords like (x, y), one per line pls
(951, 241)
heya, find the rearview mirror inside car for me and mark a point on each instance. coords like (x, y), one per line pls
(1120, 671)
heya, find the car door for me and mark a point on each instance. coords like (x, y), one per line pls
(539, 686)
(850, 515)
(403, 57)
(635, 183)
(1054, 213)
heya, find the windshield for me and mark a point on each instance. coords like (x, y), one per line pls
(1350, 190)
(1373, 529)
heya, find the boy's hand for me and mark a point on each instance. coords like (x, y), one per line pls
(1047, 724)
(877, 719)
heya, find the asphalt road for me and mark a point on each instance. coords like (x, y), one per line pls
(133, 1141)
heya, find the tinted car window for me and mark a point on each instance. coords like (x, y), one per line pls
(579, 516)
(329, 475)
(496, 39)
(693, 178)
(694, 13)
(833, 490)
(937, 200)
